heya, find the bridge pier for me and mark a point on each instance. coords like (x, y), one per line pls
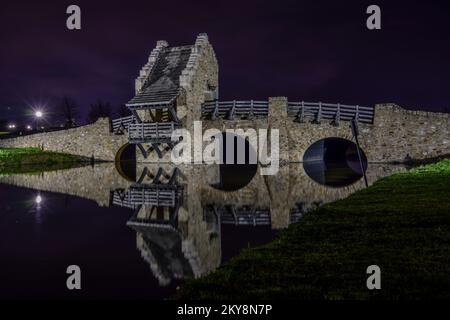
(277, 119)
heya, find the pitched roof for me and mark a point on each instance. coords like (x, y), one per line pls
(163, 83)
(163, 251)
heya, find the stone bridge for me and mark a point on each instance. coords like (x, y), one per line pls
(179, 85)
(391, 134)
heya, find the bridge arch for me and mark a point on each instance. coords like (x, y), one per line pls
(125, 161)
(334, 162)
(234, 176)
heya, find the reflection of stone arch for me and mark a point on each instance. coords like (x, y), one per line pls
(125, 161)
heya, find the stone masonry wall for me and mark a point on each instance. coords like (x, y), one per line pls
(395, 135)
(93, 140)
(202, 72)
(88, 182)
(398, 133)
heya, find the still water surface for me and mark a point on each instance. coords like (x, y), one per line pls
(140, 236)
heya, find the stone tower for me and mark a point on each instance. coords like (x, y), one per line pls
(170, 90)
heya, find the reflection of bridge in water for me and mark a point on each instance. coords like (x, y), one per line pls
(235, 215)
(177, 214)
(155, 193)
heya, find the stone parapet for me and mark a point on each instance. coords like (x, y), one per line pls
(93, 140)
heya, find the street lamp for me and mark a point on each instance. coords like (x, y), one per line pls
(38, 114)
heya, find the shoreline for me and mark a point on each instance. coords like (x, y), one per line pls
(401, 223)
(35, 160)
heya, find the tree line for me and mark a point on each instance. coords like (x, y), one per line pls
(68, 111)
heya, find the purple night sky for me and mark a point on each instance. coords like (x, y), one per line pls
(305, 50)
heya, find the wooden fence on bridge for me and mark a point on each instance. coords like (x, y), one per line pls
(151, 131)
(156, 132)
(235, 109)
(301, 111)
(121, 124)
(329, 111)
(144, 131)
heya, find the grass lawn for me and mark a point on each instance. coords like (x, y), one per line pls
(32, 160)
(401, 224)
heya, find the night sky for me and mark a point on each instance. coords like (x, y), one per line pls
(305, 50)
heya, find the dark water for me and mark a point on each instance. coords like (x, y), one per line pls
(39, 241)
(80, 217)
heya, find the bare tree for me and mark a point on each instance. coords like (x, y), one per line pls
(68, 111)
(99, 110)
(3, 124)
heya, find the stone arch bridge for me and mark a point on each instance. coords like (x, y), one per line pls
(179, 85)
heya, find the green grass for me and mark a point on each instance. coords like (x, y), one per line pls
(401, 224)
(34, 160)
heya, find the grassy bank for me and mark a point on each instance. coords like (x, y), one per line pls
(32, 160)
(401, 224)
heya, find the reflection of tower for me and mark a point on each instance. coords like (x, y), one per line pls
(156, 205)
(172, 236)
(161, 249)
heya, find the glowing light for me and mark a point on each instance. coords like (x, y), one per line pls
(11, 126)
(28, 127)
(38, 114)
(38, 199)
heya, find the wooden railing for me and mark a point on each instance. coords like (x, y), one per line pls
(150, 131)
(234, 109)
(157, 195)
(239, 216)
(315, 111)
(153, 196)
(120, 123)
(257, 218)
(295, 214)
(329, 111)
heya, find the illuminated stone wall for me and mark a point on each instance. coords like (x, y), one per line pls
(396, 134)
(93, 140)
